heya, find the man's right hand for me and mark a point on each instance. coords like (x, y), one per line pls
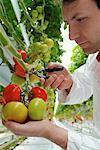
(61, 80)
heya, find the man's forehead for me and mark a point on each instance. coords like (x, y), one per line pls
(70, 10)
(76, 8)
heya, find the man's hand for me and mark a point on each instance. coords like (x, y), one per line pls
(31, 128)
(42, 128)
(59, 79)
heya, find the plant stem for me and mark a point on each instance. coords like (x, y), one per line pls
(12, 31)
(5, 42)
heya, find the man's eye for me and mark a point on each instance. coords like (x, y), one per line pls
(80, 19)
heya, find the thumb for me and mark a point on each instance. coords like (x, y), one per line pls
(53, 65)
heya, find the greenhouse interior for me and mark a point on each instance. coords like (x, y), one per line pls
(49, 75)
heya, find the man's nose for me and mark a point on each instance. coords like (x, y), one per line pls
(73, 33)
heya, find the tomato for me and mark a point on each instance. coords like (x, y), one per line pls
(15, 111)
(37, 109)
(39, 9)
(40, 16)
(39, 93)
(23, 55)
(11, 93)
(49, 42)
(34, 13)
(33, 78)
(19, 71)
(44, 48)
(17, 80)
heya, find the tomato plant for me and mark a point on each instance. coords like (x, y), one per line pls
(40, 38)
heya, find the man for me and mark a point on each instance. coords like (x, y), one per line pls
(83, 17)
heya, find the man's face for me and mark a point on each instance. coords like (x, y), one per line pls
(83, 17)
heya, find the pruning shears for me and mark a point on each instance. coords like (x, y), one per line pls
(42, 73)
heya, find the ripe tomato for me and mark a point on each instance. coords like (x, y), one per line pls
(15, 111)
(38, 92)
(11, 93)
(19, 71)
(23, 54)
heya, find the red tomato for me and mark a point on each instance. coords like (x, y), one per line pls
(11, 93)
(19, 71)
(23, 54)
(47, 108)
(39, 93)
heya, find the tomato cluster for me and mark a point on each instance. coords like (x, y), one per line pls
(15, 109)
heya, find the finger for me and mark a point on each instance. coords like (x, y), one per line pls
(49, 81)
(42, 80)
(66, 84)
(11, 125)
(57, 82)
(28, 129)
(62, 86)
(15, 127)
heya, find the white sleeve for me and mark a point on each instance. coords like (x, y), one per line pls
(82, 141)
(81, 89)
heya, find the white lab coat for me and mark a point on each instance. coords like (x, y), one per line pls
(86, 83)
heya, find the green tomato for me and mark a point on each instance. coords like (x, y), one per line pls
(34, 13)
(39, 9)
(37, 45)
(40, 17)
(17, 80)
(49, 42)
(37, 109)
(44, 48)
(46, 22)
(43, 27)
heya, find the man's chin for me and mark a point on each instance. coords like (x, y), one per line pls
(89, 51)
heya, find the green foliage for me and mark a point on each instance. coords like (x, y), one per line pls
(78, 58)
(47, 23)
(68, 112)
(54, 16)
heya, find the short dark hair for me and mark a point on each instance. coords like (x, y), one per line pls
(69, 1)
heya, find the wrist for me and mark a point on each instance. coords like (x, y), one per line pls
(58, 136)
